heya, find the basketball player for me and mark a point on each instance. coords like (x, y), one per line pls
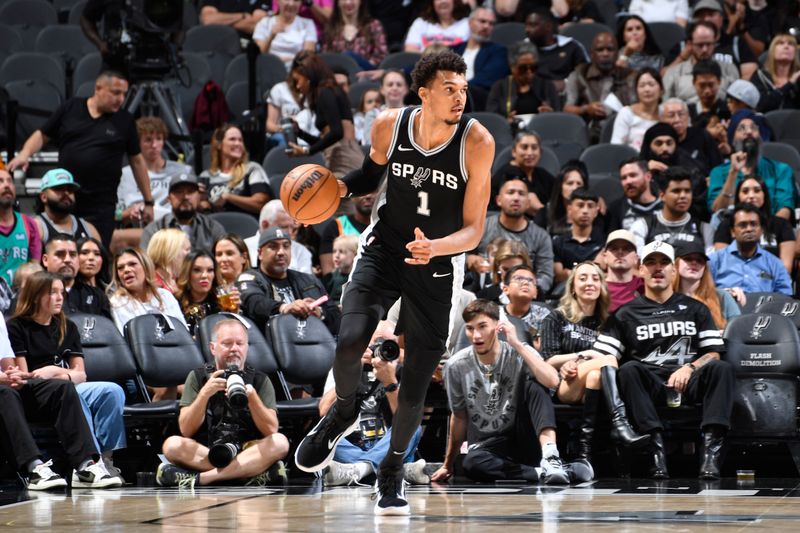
(429, 212)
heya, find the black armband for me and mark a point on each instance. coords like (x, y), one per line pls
(365, 179)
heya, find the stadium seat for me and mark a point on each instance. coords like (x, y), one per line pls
(75, 12)
(788, 308)
(277, 164)
(220, 44)
(584, 32)
(564, 133)
(358, 89)
(34, 66)
(756, 299)
(335, 59)
(41, 96)
(269, 71)
(508, 33)
(783, 123)
(400, 60)
(67, 42)
(63, 9)
(238, 223)
(605, 158)
(106, 355)
(497, 125)
(548, 161)
(199, 74)
(784, 153)
(10, 41)
(667, 35)
(607, 130)
(29, 16)
(86, 70)
(305, 350)
(237, 98)
(164, 354)
(763, 349)
(607, 186)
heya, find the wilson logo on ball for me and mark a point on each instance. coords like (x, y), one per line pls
(307, 184)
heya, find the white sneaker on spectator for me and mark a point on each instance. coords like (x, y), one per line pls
(95, 476)
(415, 474)
(43, 478)
(553, 472)
(337, 474)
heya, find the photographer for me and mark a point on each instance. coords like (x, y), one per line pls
(357, 456)
(211, 423)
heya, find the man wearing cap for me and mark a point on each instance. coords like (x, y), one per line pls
(622, 274)
(152, 133)
(743, 95)
(744, 263)
(20, 239)
(92, 136)
(747, 132)
(57, 199)
(694, 263)
(276, 289)
(667, 340)
(184, 196)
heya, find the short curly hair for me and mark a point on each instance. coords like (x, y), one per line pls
(426, 68)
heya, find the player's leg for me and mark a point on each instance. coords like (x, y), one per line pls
(372, 289)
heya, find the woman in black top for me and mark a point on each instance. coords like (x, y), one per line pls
(526, 152)
(197, 288)
(93, 261)
(522, 93)
(334, 118)
(553, 218)
(48, 346)
(778, 236)
(568, 334)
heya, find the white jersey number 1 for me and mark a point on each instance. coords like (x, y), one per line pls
(422, 209)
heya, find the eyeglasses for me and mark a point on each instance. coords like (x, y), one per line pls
(527, 67)
(676, 114)
(522, 281)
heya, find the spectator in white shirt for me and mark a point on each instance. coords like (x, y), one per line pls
(441, 22)
(285, 33)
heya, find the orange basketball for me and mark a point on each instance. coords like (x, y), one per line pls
(310, 194)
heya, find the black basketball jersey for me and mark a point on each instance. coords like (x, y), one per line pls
(424, 188)
(664, 335)
(79, 228)
(673, 233)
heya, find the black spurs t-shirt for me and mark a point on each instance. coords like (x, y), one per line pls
(662, 336)
(39, 344)
(92, 149)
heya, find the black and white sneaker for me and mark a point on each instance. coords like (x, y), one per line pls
(95, 476)
(390, 491)
(169, 475)
(553, 472)
(43, 478)
(316, 450)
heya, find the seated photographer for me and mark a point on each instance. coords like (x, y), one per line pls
(501, 408)
(225, 408)
(274, 288)
(357, 455)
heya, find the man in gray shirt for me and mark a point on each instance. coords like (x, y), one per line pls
(511, 223)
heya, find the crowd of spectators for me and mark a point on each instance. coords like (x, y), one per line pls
(704, 217)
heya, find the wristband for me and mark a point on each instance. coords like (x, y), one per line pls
(391, 387)
(691, 365)
(149, 203)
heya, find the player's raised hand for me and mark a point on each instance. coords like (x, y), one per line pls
(421, 249)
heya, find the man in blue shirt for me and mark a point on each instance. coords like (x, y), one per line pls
(746, 134)
(744, 264)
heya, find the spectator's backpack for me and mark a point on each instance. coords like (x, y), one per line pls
(210, 109)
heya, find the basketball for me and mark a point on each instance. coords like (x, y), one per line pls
(310, 194)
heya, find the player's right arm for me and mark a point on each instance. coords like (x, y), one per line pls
(456, 437)
(367, 178)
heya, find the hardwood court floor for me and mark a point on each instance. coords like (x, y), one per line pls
(605, 505)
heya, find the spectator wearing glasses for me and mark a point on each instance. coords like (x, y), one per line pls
(519, 287)
(701, 44)
(744, 264)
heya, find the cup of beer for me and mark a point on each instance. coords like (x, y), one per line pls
(225, 299)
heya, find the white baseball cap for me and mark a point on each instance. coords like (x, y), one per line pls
(658, 247)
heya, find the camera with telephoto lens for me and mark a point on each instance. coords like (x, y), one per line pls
(385, 349)
(234, 385)
(224, 444)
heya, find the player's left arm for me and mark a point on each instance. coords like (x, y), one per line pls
(478, 162)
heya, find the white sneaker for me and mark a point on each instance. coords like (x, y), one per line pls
(337, 474)
(415, 474)
(553, 472)
(43, 478)
(95, 476)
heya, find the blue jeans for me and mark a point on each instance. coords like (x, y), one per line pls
(348, 453)
(103, 403)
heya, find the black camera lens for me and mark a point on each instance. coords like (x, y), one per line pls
(386, 349)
